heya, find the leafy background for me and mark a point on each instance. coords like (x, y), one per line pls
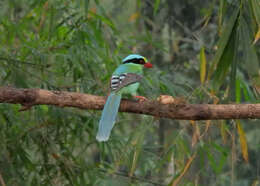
(203, 52)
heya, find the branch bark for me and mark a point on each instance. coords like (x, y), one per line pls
(31, 97)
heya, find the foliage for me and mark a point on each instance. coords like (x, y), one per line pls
(204, 51)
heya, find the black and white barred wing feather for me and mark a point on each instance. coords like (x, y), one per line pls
(122, 80)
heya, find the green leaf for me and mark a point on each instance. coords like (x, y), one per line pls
(221, 13)
(248, 95)
(250, 58)
(223, 131)
(217, 156)
(225, 61)
(225, 53)
(203, 65)
(256, 10)
(45, 108)
(103, 19)
(86, 6)
(224, 40)
(156, 6)
(238, 91)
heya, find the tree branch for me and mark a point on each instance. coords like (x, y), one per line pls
(30, 97)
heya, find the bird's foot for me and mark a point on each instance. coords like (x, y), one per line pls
(141, 98)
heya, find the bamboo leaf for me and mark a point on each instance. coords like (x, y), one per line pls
(256, 10)
(257, 36)
(222, 10)
(196, 134)
(103, 19)
(250, 57)
(248, 94)
(226, 54)
(86, 6)
(134, 162)
(156, 6)
(224, 42)
(203, 63)
(225, 62)
(233, 75)
(238, 91)
(223, 132)
(186, 168)
(243, 140)
(137, 143)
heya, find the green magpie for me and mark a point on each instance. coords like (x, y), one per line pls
(124, 80)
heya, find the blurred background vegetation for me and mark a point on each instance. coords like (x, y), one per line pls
(204, 51)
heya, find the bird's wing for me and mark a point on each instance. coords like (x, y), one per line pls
(123, 80)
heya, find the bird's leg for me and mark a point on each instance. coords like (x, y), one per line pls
(141, 98)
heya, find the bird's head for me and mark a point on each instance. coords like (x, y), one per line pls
(137, 59)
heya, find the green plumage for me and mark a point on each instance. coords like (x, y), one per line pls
(111, 107)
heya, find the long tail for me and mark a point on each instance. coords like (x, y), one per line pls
(108, 117)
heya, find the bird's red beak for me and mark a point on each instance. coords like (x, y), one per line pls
(148, 65)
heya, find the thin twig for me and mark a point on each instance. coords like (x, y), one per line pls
(2, 180)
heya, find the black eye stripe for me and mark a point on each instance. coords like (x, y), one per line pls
(135, 60)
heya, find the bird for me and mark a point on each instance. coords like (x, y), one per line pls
(125, 80)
